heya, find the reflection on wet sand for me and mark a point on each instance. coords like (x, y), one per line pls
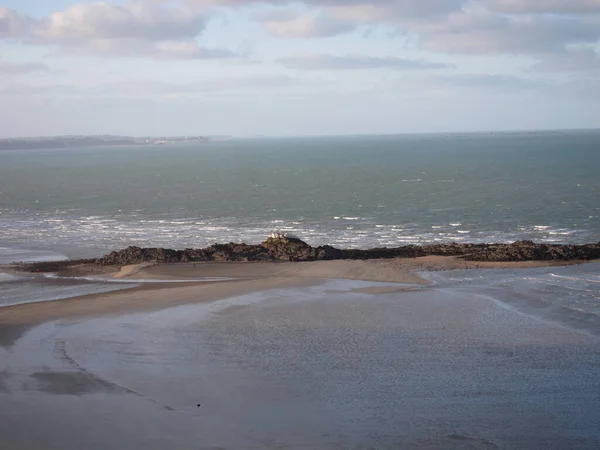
(342, 365)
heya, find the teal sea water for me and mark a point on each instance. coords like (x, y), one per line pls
(344, 191)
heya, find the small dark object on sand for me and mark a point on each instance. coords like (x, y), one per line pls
(199, 405)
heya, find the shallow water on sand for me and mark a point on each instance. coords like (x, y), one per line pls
(321, 367)
(22, 288)
(567, 295)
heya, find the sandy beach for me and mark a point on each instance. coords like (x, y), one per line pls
(237, 279)
(332, 354)
(189, 283)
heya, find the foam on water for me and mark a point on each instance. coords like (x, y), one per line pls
(82, 237)
(587, 278)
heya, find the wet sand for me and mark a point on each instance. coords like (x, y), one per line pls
(283, 358)
(235, 279)
(397, 269)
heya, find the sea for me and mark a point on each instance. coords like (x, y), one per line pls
(352, 192)
(356, 191)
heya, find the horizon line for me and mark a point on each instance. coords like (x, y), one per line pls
(266, 136)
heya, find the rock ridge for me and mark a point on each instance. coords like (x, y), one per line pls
(279, 248)
(284, 248)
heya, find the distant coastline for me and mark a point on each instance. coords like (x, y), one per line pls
(58, 142)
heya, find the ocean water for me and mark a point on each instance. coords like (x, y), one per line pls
(345, 191)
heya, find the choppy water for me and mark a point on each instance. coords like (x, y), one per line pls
(351, 192)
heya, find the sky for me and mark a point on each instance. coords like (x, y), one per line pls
(288, 68)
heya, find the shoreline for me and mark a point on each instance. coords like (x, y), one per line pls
(15, 320)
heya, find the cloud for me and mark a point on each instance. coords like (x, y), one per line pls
(209, 86)
(351, 62)
(544, 6)
(141, 48)
(304, 26)
(518, 27)
(12, 24)
(7, 68)
(480, 31)
(572, 60)
(489, 82)
(101, 20)
(104, 29)
(386, 10)
(325, 18)
(407, 8)
(544, 30)
(142, 88)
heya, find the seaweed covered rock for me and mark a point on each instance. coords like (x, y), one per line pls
(284, 247)
(135, 255)
(530, 251)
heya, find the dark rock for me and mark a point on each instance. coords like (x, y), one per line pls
(285, 248)
(289, 248)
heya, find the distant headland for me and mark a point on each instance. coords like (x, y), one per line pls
(56, 142)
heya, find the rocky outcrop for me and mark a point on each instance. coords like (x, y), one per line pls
(530, 251)
(285, 248)
(289, 248)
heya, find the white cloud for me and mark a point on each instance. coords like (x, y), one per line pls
(105, 29)
(142, 48)
(407, 8)
(572, 60)
(142, 88)
(7, 68)
(481, 31)
(518, 27)
(351, 62)
(536, 51)
(306, 26)
(101, 20)
(488, 82)
(12, 23)
(544, 6)
(171, 28)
